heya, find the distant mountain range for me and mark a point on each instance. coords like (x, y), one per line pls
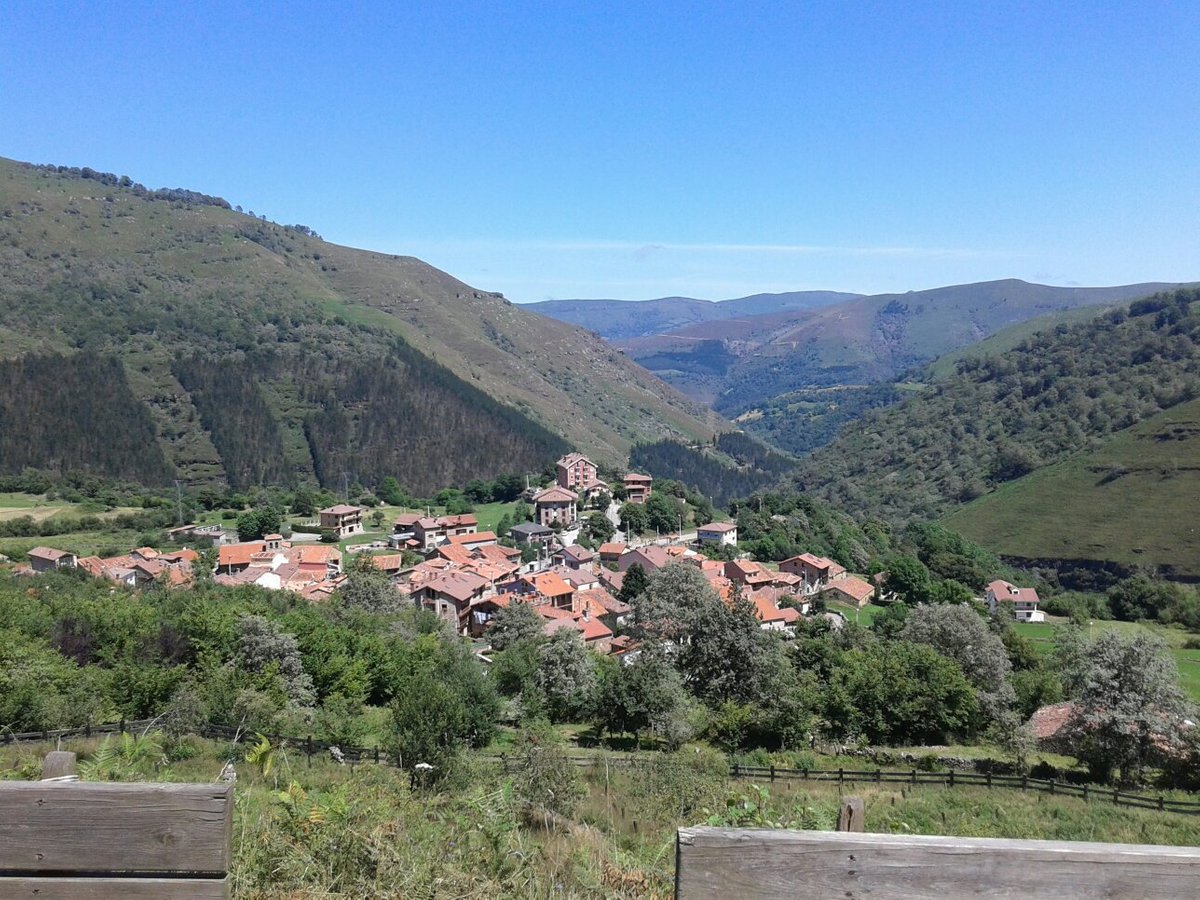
(616, 320)
(153, 335)
(741, 363)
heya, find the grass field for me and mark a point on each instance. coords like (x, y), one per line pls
(84, 543)
(37, 507)
(1131, 501)
(313, 828)
(1188, 661)
(864, 616)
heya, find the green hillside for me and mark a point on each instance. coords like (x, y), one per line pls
(1057, 394)
(256, 352)
(1132, 500)
(946, 366)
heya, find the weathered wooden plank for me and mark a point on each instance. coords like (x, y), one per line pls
(58, 764)
(852, 815)
(114, 888)
(49, 827)
(764, 865)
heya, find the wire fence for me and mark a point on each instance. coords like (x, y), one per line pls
(950, 779)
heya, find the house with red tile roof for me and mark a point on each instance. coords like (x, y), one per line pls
(748, 574)
(463, 523)
(816, 571)
(651, 558)
(319, 560)
(390, 563)
(497, 553)
(404, 527)
(472, 540)
(233, 558)
(771, 616)
(343, 520)
(552, 588)
(575, 557)
(782, 596)
(610, 553)
(596, 635)
(579, 579)
(458, 555)
(179, 557)
(450, 594)
(48, 559)
(556, 504)
(1024, 601)
(575, 472)
(638, 488)
(719, 533)
(850, 589)
(612, 581)
(604, 605)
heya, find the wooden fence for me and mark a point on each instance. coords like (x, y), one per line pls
(62, 839)
(752, 864)
(950, 779)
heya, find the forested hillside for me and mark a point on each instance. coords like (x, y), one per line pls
(1005, 416)
(259, 352)
(76, 413)
(734, 466)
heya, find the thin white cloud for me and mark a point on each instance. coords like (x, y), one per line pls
(643, 250)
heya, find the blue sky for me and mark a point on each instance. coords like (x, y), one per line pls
(637, 150)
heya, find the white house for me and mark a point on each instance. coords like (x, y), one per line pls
(1024, 601)
(717, 533)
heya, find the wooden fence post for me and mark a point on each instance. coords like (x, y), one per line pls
(852, 815)
(58, 764)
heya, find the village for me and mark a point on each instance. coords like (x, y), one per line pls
(466, 575)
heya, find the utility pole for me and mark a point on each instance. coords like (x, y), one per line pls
(345, 487)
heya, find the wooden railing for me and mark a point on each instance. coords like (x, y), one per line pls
(950, 779)
(62, 839)
(753, 864)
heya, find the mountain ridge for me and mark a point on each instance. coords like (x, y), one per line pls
(90, 261)
(618, 319)
(740, 363)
